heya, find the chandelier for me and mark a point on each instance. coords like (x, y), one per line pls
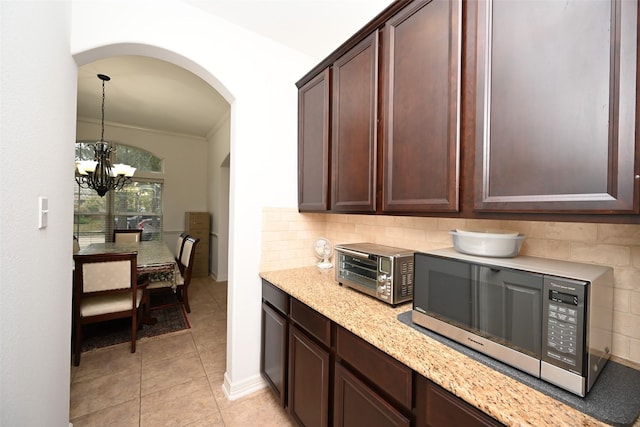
(99, 174)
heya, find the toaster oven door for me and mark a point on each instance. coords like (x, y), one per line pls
(358, 271)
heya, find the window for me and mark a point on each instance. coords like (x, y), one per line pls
(137, 206)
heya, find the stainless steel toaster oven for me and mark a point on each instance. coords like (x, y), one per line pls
(384, 272)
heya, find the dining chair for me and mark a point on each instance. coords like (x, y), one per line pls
(179, 248)
(105, 288)
(183, 276)
(127, 236)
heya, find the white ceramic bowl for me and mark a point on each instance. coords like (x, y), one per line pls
(478, 232)
(494, 243)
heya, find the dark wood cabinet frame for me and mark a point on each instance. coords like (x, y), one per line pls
(615, 198)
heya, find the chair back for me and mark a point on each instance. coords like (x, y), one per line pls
(127, 236)
(188, 250)
(105, 272)
(179, 248)
(180, 245)
(188, 253)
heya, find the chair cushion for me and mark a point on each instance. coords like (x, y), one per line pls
(166, 284)
(102, 276)
(95, 305)
(159, 284)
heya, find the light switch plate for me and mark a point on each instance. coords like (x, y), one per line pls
(43, 212)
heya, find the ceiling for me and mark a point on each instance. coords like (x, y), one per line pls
(149, 93)
(153, 94)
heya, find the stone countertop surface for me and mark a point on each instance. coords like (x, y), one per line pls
(500, 396)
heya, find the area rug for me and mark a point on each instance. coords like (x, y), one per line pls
(169, 319)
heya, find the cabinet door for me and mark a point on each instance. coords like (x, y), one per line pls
(356, 405)
(422, 108)
(273, 363)
(308, 380)
(436, 407)
(354, 125)
(313, 144)
(556, 106)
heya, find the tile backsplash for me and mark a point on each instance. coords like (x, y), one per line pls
(287, 237)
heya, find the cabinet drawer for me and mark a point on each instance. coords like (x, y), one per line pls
(201, 255)
(311, 321)
(391, 376)
(436, 407)
(274, 296)
(197, 220)
(201, 233)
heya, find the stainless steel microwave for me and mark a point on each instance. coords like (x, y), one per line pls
(383, 272)
(549, 318)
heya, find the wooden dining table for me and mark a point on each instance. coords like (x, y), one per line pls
(155, 260)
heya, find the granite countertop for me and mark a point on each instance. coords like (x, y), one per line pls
(500, 396)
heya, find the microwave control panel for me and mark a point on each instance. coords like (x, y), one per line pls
(564, 302)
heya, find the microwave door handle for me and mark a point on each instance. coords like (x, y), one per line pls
(354, 253)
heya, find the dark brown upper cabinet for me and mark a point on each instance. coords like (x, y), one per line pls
(421, 108)
(354, 119)
(556, 107)
(313, 143)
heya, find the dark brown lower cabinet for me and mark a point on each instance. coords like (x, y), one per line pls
(327, 376)
(436, 407)
(274, 351)
(309, 365)
(356, 405)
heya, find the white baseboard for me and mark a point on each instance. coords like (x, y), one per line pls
(240, 389)
(218, 279)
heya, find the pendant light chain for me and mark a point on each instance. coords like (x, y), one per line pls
(104, 78)
(102, 130)
(99, 174)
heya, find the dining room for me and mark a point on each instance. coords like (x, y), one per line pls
(169, 127)
(174, 129)
(171, 152)
(166, 139)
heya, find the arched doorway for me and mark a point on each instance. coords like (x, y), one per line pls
(167, 110)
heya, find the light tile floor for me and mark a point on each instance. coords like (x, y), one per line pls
(171, 380)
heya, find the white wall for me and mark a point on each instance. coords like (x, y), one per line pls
(37, 113)
(218, 181)
(257, 77)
